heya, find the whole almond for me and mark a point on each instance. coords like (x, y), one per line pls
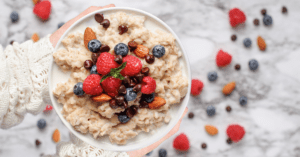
(141, 51)
(261, 43)
(101, 98)
(211, 130)
(228, 88)
(56, 136)
(35, 37)
(157, 103)
(89, 35)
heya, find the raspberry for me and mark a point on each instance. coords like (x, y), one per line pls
(148, 85)
(42, 9)
(133, 66)
(236, 17)
(235, 132)
(197, 87)
(223, 58)
(91, 85)
(111, 85)
(105, 63)
(181, 142)
(48, 108)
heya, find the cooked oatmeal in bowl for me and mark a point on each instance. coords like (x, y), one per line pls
(123, 77)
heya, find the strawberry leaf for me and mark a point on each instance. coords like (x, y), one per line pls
(104, 77)
(115, 72)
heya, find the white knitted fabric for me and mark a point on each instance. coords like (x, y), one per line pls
(24, 89)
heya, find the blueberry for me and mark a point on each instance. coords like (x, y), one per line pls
(267, 20)
(253, 64)
(41, 123)
(212, 76)
(162, 153)
(211, 110)
(77, 90)
(158, 51)
(123, 118)
(121, 49)
(94, 45)
(60, 24)
(243, 100)
(130, 94)
(148, 97)
(14, 16)
(148, 154)
(247, 42)
(94, 70)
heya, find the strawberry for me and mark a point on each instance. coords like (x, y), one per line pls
(235, 132)
(236, 17)
(48, 108)
(181, 142)
(133, 66)
(42, 9)
(91, 85)
(223, 58)
(148, 85)
(197, 87)
(105, 63)
(111, 85)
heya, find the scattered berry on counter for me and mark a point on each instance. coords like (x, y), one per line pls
(236, 17)
(150, 59)
(233, 37)
(228, 88)
(104, 48)
(12, 42)
(35, 37)
(93, 70)
(212, 76)
(60, 25)
(211, 130)
(99, 17)
(105, 23)
(253, 64)
(203, 146)
(91, 85)
(48, 108)
(223, 58)
(94, 45)
(148, 85)
(157, 103)
(210, 110)
(148, 97)
(247, 42)
(123, 118)
(235, 132)
(181, 143)
(133, 66)
(243, 100)
(78, 89)
(37, 142)
(148, 154)
(267, 20)
(162, 153)
(130, 94)
(141, 51)
(191, 115)
(145, 71)
(88, 64)
(35, 1)
(229, 141)
(56, 136)
(106, 62)
(132, 45)
(284, 10)
(256, 22)
(42, 9)
(119, 59)
(158, 51)
(197, 87)
(101, 98)
(121, 49)
(228, 109)
(122, 29)
(263, 11)
(89, 35)
(14, 16)
(41, 123)
(261, 43)
(237, 67)
(111, 85)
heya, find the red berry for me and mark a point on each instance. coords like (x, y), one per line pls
(235, 132)
(91, 85)
(106, 62)
(236, 17)
(181, 142)
(111, 85)
(133, 66)
(223, 59)
(148, 85)
(197, 87)
(48, 108)
(42, 9)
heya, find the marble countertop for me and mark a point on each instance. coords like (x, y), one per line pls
(272, 116)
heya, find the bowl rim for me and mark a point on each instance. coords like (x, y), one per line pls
(150, 141)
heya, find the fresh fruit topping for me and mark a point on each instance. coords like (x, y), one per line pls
(236, 17)
(41, 123)
(137, 88)
(203, 145)
(130, 94)
(60, 25)
(162, 153)
(88, 64)
(121, 49)
(148, 97)
(228, 88)
(111, 85)
(237, 67)
(243, 100)
(228, 109)
(99, 17)
(131, 111)
(191, 115)
(158, 51)
(235, 132)
(212, 76)
(157, 103)
(94, 45)
(105, 23)
(132, 45)
(89, 35)
(56, 136)
(263, 11)
(122, 90)
(143, 104)
(181, 143)
(150, 59)
(133, 66)
(120, 100)
(105, 63)
(211, 130)
(104, 48)
(48, 108)
(123, 118)
(93, 70)
(113, 104)
(95, 57)
(261, 43)
(126, 80)
(267, 20)
(233, 37)
(42, 9)
(284, 10)
(247, 42)
(119, 59)
(37, 142)
(122, 29)
(101, 98)
(253, 64)
(210, 110)
(148, 85)
(141, 51)
(35, 37)
(197, 87)
(14, 16)
(91, 85)
(132, 82)
(145, 71)
(78, 89)
(256, 22)
(223, 58)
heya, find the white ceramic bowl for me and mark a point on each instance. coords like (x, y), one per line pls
(143, 139)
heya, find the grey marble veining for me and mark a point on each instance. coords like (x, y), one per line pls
(272, 115)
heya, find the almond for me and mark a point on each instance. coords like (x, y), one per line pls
(157, 103)
(261, 43)
(101, 98)
(89, 35)
(211, 130)
(228, 88)
(35, 1)
(35, 37)
(141, 51)
(56, 136)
